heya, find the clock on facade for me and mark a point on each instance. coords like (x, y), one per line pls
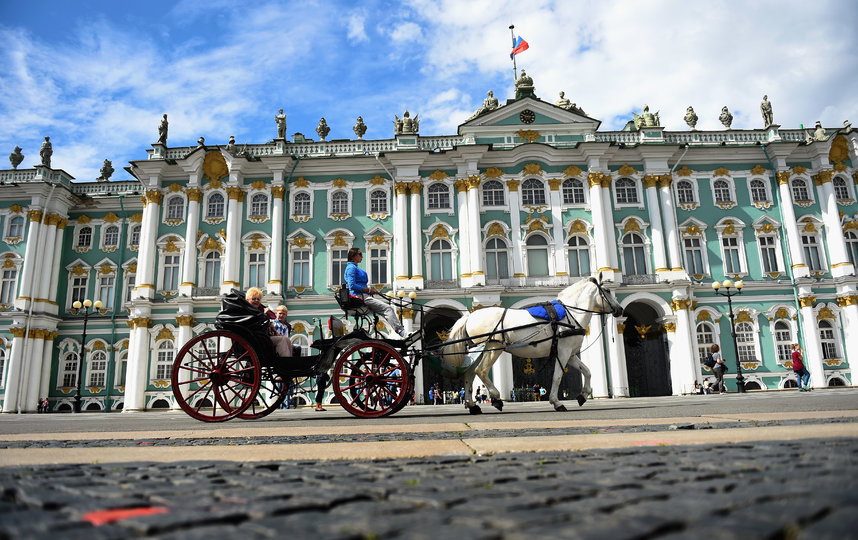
(527, 116)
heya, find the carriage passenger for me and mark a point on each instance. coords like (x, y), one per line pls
(357, 282)
(282, 343)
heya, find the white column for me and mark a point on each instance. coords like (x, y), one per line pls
(683, 356)
(812, 343)
(839, 258)
(58, 252)
(600, 228)
(617, 357)
(415, 239)
(192, 227)
(593, 356)
(668, 214)
(608, 219)
(232, 253)
(47, 361)
(849, 318)
(658, 254)
(799, 266)
(275, 264)
(400, 234)
(478, 274)
(137, 375)
(31, 396)
(502, 375)
(31, 265)
(183, 336)
(561, 262)
(145, 282)
(515, 228)
(465, 269)
(48, 252)
(13, 372)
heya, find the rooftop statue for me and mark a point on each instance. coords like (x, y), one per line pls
(201, 141)
(847, 126)
(766, 111)
(230, 146)
(106, 171)
(406, 125)
(162, 131)
(523, 86)
(489, 104)
(281, 125)
(726, 118)
(16, 157)
(819, 132)
(646, 119)
(322, 129)
(46, 152)
(691, 118)
(359, 128)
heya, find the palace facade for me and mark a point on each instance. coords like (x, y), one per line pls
(526, 198)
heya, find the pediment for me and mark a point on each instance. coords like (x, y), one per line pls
(513, 117)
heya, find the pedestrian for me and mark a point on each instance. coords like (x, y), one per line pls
(321, 384)
(462, 395)
(484, 393)
(512, 395)
(802, 375)
(432, 395)
(542, 393)
(719, 369)
(40, 406)
(535, 392)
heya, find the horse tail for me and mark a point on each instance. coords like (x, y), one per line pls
(456, 348)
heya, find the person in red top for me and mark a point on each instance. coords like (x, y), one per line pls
(802, 376)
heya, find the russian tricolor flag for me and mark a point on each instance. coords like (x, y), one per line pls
(518, 46)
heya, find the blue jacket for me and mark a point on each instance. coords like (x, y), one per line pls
(356, 279)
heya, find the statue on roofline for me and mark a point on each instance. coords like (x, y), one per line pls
(489, 104)
(766, 111)
(359, 128)
(322, 129)
(281, 125)
(646, 118)
(523, 86)
(46, 152)
(691, 118)
(16, 157)
(162, 131)
(106, 171)
(406, 125)
(726, 118)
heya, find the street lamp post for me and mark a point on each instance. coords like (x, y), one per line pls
(86, 305)
(730, 290)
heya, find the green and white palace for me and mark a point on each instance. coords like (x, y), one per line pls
(526, 198)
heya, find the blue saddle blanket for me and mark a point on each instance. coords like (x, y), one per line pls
(538, 311)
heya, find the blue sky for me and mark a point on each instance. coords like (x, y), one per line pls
(96, 76)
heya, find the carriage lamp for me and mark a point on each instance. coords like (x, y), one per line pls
(412, 295)
(77, 306)
(401, 294)
(729, 289)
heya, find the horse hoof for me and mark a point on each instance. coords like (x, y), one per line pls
(560, 408)
(475, 409)
(581, 400)
(497, 404)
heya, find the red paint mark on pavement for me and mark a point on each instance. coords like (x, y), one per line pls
(103, 517)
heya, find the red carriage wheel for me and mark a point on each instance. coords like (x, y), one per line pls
(216, 376)
(371, 379)
(271, 394)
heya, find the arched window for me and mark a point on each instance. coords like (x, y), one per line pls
(537, 256)
(783, 342)
(745, 340)
(705, 339)
(301, 205)
(799, 190)
(69, 373)
(634, 254)
(852, 246)
(338, 257)
(493, 194)
(627, 193)
(211, 272)
(578, 251)
(175, 208)
(16, 227)
(215, 208)
(694, 256)
(164, 362)
(841, 190)
(122, 368)
(111, 236)
(439, 196)
(135, 235)
(684, 192)
(8, 286)
(573, 191)
(84, 237)
(378, 201)
(259, 205)
(722, 191)
(97, 369)
(532, 192)
(340, 202)
(2, 366)
(497, 260)
(440, 260)
(826, 337)
(758, 191)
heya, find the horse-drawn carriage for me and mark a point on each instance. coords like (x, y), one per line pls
(233, 371)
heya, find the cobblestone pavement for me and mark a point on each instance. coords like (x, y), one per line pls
(783, 490)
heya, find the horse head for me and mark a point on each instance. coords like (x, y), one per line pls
(606, 301)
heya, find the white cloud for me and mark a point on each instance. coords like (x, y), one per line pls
(356, 27)
(406, 32)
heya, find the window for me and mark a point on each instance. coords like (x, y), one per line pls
(811, 251)
(339, 259)
(783, 342)
(215, 207)
(439, 196)
(573, 191)
(722, 192)
(106, 286)
(69, 372)
(578, 251)
(84, 237)
(2, 365)
(340, 203)
(730, 247)
(684, 192)
(16, 227)
(537, 256)
(533, 192)
(769, 254)
(758, 191)
(97, 369)
(259, 206)
(78, 288)
(852, 246)
(130, 280)
(705, 339)
(440, 260)
(627, 193)
(211, 270)
(378, 201)
(826, 337)
(799, 190)
(378, 265)
(745, 340)
(257, 275)
(164, 362)
(497, 260)
(634, 254)
(170, 273)
(301, 205)
(121, 369)
(176, 208)
(135, 235)
(8, 286)
(694, 256)
(111, 236)
(301, 268)
(493, 194)
(841, 190)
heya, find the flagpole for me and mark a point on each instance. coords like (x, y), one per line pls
(514, 69)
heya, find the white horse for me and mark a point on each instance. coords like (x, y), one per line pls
(519, 333)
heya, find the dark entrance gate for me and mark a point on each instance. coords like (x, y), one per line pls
(437, 323)
(646, 353)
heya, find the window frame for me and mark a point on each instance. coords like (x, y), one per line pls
(630, 185)
(210, 217)
(436, 194)
(536, 195)
(567, 185)
(492, 194)
(294, 214)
